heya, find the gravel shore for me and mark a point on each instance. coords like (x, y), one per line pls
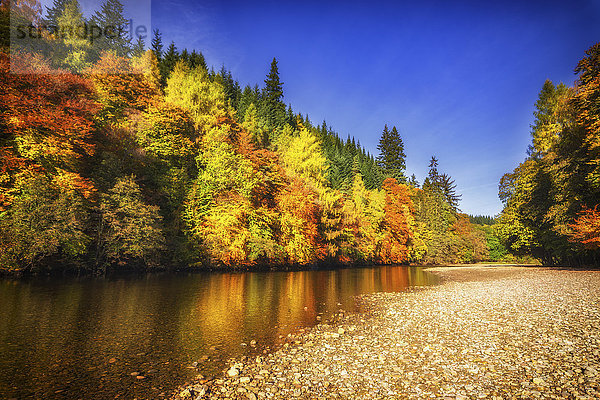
(486, 332)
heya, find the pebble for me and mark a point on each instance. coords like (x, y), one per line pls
(491, 333)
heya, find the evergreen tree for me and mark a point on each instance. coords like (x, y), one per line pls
(157, 46)
(167, 64)
(448, 189)
(391, 157)
(138, 48)
(52, 13)
(230, 86)
(197, 60)
(246, 98)
(112, 20)
(442, 184)
(432, 180)
(413, 181)
(184, 56)
(272, 107)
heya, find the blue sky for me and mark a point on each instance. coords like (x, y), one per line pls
(458, 79)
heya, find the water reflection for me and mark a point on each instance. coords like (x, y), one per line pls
(86, 338)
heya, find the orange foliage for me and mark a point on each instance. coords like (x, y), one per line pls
(300, 216)
(54, 108)
(69, 181)
(399, 223)
(119, 85)
(463, 226)
(586, 228)
(46, 117)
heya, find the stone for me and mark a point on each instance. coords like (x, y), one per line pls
(233, 371)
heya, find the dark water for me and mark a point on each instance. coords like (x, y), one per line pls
(83, 338)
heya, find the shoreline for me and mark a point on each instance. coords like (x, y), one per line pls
(476, 335)
(133, 271)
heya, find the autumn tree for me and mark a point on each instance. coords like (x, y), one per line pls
(77, 48)
(399, 223)
(130, 229)
(47, 220)
(586, 228)
(47, 120)
(191, 90)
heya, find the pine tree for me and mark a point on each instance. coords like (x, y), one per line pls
(197, 60)
(448, 188)
(391, 157)
(230, 86)
(157, 46)
(138, 48)
(167, 64)
(433, 177)
(184, 56)
(442, 184)
(272, 107)
(413, 181)
(52, 13)
(112, 20)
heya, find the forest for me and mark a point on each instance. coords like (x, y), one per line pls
(115, 156)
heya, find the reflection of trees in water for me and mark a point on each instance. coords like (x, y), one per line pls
(68, 332)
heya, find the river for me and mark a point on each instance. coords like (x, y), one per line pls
(138, 336)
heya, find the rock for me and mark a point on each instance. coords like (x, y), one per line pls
(140, 377)
(185, 393)
(539, 381)
(198, 391)
(253, 343)
(535, 335)
(112, 360)
(134, 373)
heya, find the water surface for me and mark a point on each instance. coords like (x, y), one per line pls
(88, 337)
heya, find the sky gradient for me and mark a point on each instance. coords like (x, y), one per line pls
(458, 79)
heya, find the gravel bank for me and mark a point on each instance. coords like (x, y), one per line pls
(497, 333)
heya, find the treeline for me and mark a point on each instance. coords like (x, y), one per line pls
(148, 158)
(551, 199)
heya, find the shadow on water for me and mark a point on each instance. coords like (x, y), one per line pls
(89, 337)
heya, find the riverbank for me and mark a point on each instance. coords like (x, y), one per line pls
(486, 332)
